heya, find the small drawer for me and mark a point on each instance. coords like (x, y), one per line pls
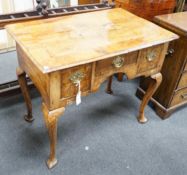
(149, 58)
(69, 78)
(183, 81)
(116, 64)
(179, 97)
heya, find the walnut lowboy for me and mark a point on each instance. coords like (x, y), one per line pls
(60, 52)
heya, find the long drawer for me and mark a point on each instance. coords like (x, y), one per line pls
(179, 97)
(116, 64)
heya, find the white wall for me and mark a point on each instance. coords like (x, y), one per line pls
(23, 5)
(73, 2)
(8, 6)
(1, 9)
(3, 37)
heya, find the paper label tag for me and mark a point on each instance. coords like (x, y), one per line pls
(78, 96)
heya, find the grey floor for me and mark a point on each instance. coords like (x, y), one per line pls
(99, 137)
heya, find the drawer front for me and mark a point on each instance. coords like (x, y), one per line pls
(70, 77)
(116, 64)
(179, 97)
(183, 81)
(149, 58)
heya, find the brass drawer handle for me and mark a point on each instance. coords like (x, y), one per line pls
(151, 56)
(76, 77)
(118, 62)
(170, 52)
(184, 96)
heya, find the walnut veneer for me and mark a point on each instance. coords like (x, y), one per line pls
(57, 53)
(147, 9)
(81, 2)
(173, 91)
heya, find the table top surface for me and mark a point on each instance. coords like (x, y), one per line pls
(177, 21)
(58, 43)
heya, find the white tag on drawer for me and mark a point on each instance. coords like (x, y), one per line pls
(78, 96)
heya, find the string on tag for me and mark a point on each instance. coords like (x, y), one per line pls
(78, 96)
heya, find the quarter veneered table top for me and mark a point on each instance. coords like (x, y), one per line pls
(62, 42)
(175, 21)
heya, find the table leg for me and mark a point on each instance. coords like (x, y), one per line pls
(24, 88)
(120, 76)
(51, 120)
(109, 86)
(154, 84)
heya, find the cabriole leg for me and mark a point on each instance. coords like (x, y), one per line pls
(120, 76)
(154, 84)
(109, 86)
(51, 120)
(24, 88)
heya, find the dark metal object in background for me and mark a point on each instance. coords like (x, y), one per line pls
(43, 11)
(44, 4)
(42, 7)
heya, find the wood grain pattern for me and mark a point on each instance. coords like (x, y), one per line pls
(104, 65)
(175, 22)
(147, 9)
(179, 97)
(81, 2)
(151, 9)
(40, 80)
(147, 64)
(53, 44)
(52, 51)
(68, 88)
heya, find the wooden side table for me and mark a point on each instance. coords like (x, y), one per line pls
(72, 55)
(172, 92)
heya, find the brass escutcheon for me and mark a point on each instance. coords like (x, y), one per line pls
(151, 56)
(76, 77)
(118, 62)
